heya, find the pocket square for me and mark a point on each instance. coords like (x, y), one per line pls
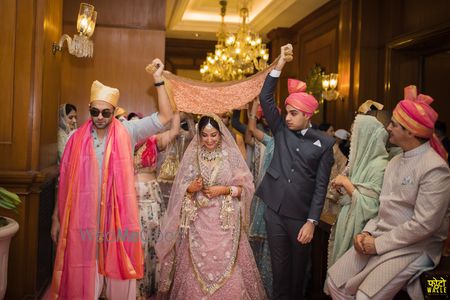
(407, 180)
(317, 143)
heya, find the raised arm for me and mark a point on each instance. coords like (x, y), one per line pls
(268, 105)
(257, 133)
(165, 109)
(163, 139)
(236, 122)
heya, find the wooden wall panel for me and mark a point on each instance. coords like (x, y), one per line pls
(417, 15)
(278, 38)
(189, 73)
(120, 57)
(369, 78)
(35, 97)
(183, 54)
(322, 50)
(7, 47)
(144, 14)
(317, 42)
(435, 76)
(48, 90)
(14, 153)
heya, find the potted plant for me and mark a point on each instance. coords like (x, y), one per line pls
(8, 227)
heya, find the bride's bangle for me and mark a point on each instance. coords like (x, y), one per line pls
(234, 190)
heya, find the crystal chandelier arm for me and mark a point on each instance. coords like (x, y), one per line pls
(58, 46)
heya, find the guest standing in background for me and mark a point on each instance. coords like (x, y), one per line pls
(66, 125)
(258, 233)
(150, 203)
(340, 161)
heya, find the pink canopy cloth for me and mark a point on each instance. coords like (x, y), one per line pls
(299, 98)
(199, 97)
(415, 114)
(105, 233)
(200, 257)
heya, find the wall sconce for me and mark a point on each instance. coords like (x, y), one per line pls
(329, 84)
(80, 45)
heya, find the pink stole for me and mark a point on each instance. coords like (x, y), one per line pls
(114, 241)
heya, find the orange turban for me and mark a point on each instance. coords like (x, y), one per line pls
(299, 99)
(415, 114)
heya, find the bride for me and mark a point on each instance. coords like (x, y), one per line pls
(203, 247)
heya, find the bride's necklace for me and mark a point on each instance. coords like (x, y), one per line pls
(210, 155)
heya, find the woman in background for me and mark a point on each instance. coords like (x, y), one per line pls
(340, 161)
(169, 159)
(258, 234)
(359, 190)
(150, 203)
(66, 125)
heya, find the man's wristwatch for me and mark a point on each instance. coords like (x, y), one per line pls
(313, 221)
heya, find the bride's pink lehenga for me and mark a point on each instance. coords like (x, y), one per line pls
(203, 248)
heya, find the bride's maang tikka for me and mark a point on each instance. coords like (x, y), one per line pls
(209, 125)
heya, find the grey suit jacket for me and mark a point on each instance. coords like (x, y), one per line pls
(296, 181)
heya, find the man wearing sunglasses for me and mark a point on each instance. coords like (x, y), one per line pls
(98, 243)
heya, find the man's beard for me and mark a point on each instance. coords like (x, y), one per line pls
(103, 125)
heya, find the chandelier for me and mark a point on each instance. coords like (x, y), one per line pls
(237, 54)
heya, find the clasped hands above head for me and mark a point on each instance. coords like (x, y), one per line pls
(287, 53)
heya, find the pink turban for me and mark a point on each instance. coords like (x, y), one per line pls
(299, 99)
(415, 114)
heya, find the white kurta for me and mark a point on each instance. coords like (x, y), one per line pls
(412, 220)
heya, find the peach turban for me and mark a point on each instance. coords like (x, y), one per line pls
(366, 106)
(416, 115)
(299, 99)
(105, 93)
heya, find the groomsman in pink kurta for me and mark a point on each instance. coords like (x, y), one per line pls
(96, 223)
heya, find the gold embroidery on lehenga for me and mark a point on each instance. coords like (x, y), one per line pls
(209, 170)
(188, 213)
(211, 287)
(226, 213)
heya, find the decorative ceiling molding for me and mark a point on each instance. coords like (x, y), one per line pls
(200, 19)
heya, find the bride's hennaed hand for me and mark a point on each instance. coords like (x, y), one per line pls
(195, 185)
(214, 191)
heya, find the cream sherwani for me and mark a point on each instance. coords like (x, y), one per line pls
(412, 220)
